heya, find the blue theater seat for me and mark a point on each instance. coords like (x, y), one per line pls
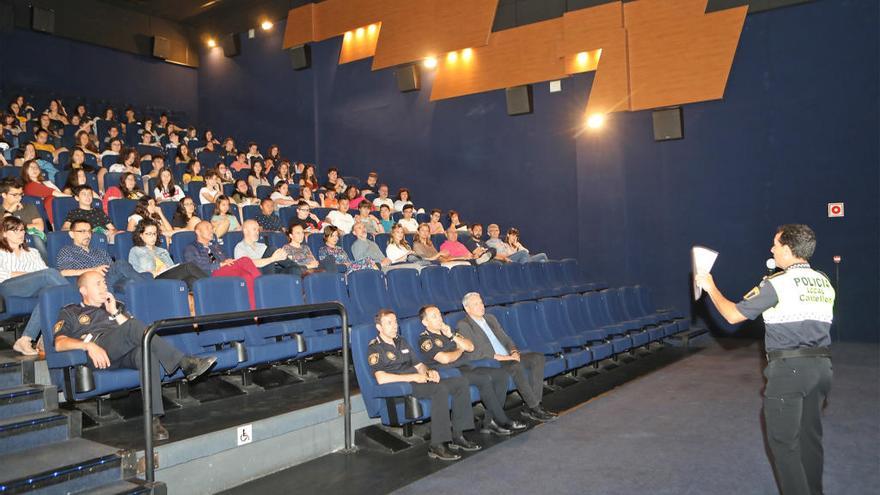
(122, 244)
(347, 241)
(574, 279)
(62, 205)
(600, 315)
(642, 297)
(368, 294)
(249, 212)
(165, 299)
(321, 212)
(264, 192)
(515, 276)
(119, 210)
(222, 295)
(641, 335)
(179, 242)
(599, 342)
(276, 291)
(465, 280)
(382, 241)
(493, 286)
(405, 292)
(436, 284)
(168, 208)
(327, 287)
(659, 327)
(528, 341)
(535, 277)
(287, 215)
(315, 242)
(230, 240)
(438, 240)
(543, 322)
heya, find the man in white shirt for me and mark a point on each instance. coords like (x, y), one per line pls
(251, 247)
(340, 217)
(383, 198)
(410, 225)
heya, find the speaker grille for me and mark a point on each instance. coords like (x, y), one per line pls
(668, 124)
(519, 100)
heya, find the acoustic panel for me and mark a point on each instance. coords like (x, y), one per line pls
(300, 57)
(231, 44)
(668, 124)
(519, 100)
(408, 78)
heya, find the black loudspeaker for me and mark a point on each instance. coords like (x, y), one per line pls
(519, 100)
(668, 124)
(161, 47)
(408, 78)
(43, 20)
(300, 56)
(231, 44)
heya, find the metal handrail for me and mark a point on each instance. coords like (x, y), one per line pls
(184, 324)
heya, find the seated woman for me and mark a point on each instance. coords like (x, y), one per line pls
(283, 174)
(521, 254)
(337, 255)
(385, 218)
(257, 177)
(184, 155)
(305, 194)
(147, 257)
(454, 221)
(30, 153)
(281, 196)
(127, 189)
(309, 178)
(243, 196)
(166, 189)
(434, 224)
(185, 217)
(146, 209)
(23, 273)
(355, 198)
(193, 173)
(75, 179)
(130, 162)
(224, 173)
(35, 184)
(424, 248)
(213, 188)
(299, 253)
(403, 199)
(222, 220)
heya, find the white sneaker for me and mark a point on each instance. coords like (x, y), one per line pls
(24, 346)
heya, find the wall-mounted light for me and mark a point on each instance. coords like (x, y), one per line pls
(451, 57)
(371, 29)
(467, 54)
(348, 35)
(359, 33)
(582, 58)
(266, 25)
(430, 62)
(211, 42)
(595, 121)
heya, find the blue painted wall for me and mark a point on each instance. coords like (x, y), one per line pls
(37, 60)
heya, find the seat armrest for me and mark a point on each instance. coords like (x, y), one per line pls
(66, 359)
(398, 389)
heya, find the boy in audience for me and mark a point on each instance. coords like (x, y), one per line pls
(393, 361)
(267, 219)
(207, 255)
(78, 258)
(410, 225)
(333, 181)
(363, 248)
(340, 217)
(370, 187)
(241, 162)
(441, 344)
(371, 223)
(173, 143)
(11, 191)
(306, 219)
(112, 133)
(383, 198)
(42, 143)
(490, 341)
(96, 217)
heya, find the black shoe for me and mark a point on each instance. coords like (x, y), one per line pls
(537, 414)
(441, 453)
(515, 425)
(193, 367)
(462, 443)
(547, 413)
(159, 432)
(494, 428)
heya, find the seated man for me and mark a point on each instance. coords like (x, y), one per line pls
(96, 217)
(78, 258)
(306, 219)
(269, 262)
(410, 225)
(491, 342)
(11, 191)
(383, 198)
(439, 343)
(363, 248)
(517, 253)
(392, 360)
(371, 223)
(476, 244)
(459, 252)
(267, 219)
(340, 217)
(207, 255)
(112, 339)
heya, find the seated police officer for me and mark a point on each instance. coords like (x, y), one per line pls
(392, 360)
(491, 342)
(112, 338)
(446, 347)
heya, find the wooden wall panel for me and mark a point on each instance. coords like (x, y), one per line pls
(299, 26)
(360, 43)
(677, 53)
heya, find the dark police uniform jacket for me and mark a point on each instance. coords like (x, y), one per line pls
(397, 358)
(797, 305)
(78, 321)
(433, 343)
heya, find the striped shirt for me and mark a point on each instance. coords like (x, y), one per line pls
(26, 261)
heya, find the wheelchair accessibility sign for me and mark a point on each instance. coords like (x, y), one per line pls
(244, 435)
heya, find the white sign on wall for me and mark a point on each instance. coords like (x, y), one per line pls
(244, 435)
(835, 210)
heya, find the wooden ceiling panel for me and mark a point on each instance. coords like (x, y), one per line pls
(299, 30)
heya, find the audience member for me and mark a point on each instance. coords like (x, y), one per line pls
(30, 153)
(147, 257)
(306, 219)
(371, 186)
(193, 173)
(257, 177)
(309, 178)
(337, 255)
(305, 195)
(267, 219)
(424, 248)
(35, 184)
(269, 261)
(126, 189)
(383, 198)
(98, 220)
(364, 249)
(11, 191)
(205, 253)
(166, 189)
(340, 217)
(454, 221)
(371, 223)
(355, 198)
(385, 219)
(434, 222)
(243, 196)
(281, 196)
(299, 253)
(146, 209)
(457, 251)
(212, 189)
(508, 251)
(409, 224)
(78, 258)
(403, 199)
(223, 220)
(75, 179)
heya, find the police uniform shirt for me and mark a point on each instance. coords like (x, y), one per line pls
(79, 320)
(432, 343)
(395, 358)
(797, 305)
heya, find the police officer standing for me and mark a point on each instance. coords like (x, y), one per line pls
(797, 305)
(392, 360)
(112, 339)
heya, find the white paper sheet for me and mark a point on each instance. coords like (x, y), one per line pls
(702, 260)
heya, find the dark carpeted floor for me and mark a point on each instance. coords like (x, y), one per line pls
(692, 427)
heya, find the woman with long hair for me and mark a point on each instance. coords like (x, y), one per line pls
(257, 177)
(147, 209)
(310, 178)
(331, 249)
(166, 189)
(185, 217)
(35, 184)
(147, 257)
(23, 273)
(223, 220)
(126, 189)
(77, 177)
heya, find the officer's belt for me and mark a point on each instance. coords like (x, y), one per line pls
(797, 353)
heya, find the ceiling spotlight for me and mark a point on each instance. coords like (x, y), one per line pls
(266, 25)
(212, 42)
(430, 63)
(582, 58)
(466, 54)
(347, 36)
(371, 29)
(595, 121)
(451, 57)
(359, 33)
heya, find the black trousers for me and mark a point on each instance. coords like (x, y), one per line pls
(492, 384)
(282, 267)
(188, 272)
(442, 428)
(793, 398)
(123, 347)
(528, 375)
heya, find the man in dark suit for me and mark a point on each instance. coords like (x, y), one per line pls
(491, 342)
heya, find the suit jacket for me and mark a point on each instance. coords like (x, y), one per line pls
(483, 349)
